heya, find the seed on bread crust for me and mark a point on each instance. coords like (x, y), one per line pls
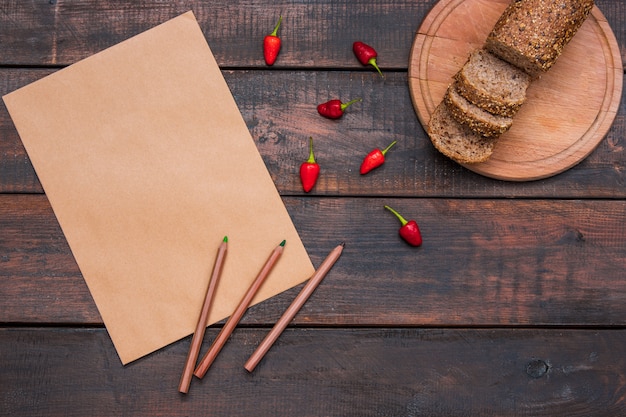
(456, 141)
(477, 119)
(492, 84)
(531, 34)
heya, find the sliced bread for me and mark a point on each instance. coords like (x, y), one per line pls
(458, 142)
(477, 119)
(492, 84)
(531, 34)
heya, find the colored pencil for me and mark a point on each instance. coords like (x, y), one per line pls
(198, 335)
(233, 320)
(295, 306)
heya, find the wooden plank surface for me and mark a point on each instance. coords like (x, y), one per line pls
(280, 113)
(483, 262)
(514, 306)
(329, 372)
(316, 34)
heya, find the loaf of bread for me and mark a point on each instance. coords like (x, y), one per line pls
(477, 119)
(455, 140)
(486, 93)
(531, 34)
(492, 84)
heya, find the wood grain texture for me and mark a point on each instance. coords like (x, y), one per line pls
(330, 372)
(316, 34)
(514, 306)
(483, 262)
(280, 114)
(568, 110)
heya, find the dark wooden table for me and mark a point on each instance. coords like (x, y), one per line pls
(514, 306)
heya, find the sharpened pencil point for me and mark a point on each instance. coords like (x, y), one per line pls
(293, 308)
(343, 244)
(283, 243)
(225, 238)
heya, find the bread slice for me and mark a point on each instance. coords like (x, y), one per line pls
(455, 140)
(477, 119)
(531, 34)
(492, 84)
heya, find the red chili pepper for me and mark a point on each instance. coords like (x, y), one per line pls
(366, 55)
(271, 44)
(334, 109)
(309, 170)
(374, 159)
(409, 231)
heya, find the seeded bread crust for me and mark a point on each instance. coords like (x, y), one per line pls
(456, 141)
(492, 84)
(531, 34)
(477, 119)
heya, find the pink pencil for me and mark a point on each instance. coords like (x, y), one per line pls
(198, 335)
(295, 306)
(232, 322)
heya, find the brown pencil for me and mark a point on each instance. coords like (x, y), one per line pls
(198, 335)
(295, 306)
(232, 322)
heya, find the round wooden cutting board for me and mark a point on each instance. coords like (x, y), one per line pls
(567, 112)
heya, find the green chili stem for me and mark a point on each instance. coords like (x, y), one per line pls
(311, 159)
(345, 105)
(275, 31)
(389, 147)
(402, 219)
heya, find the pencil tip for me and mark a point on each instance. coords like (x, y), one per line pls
(283, 243)
(343, 244)
(225, 238)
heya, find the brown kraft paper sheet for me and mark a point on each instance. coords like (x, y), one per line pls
(148, 164)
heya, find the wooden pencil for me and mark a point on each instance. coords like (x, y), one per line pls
(198, 335)
(233, 320)
(295, 306)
